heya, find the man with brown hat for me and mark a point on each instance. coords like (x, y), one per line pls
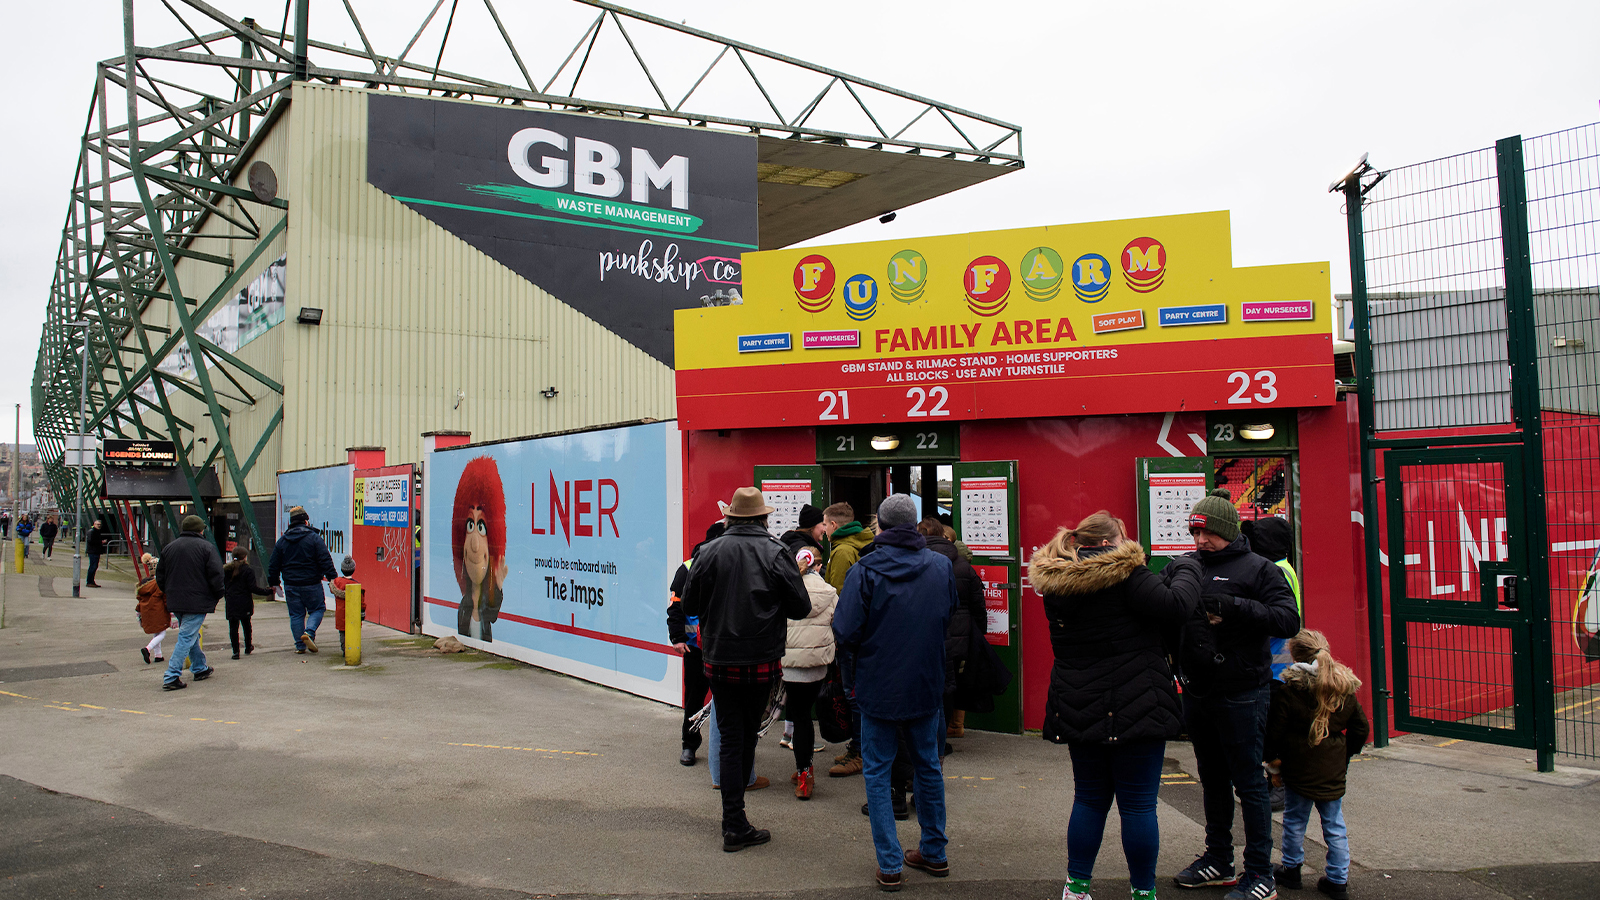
(190, 575)
(301, 558)
(744, 587)
(1226, 667)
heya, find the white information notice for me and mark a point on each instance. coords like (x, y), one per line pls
(785, 498)
(985, 519)
(1172, 495)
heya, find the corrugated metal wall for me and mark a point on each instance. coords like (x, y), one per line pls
(1440, 360)
(198, 279)
(421, 332)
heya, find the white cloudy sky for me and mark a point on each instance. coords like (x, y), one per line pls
(1127, 109)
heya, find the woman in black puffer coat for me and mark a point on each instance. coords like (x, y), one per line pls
(1111, 698)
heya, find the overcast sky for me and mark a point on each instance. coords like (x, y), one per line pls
(1127, 109)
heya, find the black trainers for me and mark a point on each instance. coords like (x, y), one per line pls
(1287, 876)
(1338, 890)
(1207, 871)
(734, 841)
(175, 684)
(202, 676)
(1254, 887)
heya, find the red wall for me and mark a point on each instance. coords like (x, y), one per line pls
(717, 463)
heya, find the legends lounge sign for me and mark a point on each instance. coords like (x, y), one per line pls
(150, 454)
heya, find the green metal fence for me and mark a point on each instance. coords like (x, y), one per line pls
(1474, 285)
(1563, 204)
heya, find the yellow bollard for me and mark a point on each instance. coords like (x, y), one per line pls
(352, 624)
(18, 545)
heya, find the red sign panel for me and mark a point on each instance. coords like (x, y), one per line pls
(996, 603)
(1255, 373)
(383, 553)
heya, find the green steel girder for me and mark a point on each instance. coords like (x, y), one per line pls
(170, 127)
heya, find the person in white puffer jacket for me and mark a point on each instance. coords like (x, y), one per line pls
(805, 665)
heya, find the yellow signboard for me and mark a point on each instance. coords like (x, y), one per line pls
(1024, 322)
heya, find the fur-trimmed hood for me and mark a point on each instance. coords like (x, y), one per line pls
(1090, 573)
(1304, 676)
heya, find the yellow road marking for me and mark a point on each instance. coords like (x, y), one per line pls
(1578, 704)
(134, 711)
(1449, 742)
(523, 749)
(90, 706)
(18, 696)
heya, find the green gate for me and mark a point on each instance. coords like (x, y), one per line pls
(1461, 640)
(1475, 314)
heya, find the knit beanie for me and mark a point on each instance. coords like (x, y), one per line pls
(897, 510)
(297, 514)
(348, 567)
(192, 523)
(810, 517)
(1215, 513)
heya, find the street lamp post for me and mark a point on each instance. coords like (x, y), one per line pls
(77, 518)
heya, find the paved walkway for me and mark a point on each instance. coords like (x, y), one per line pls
(421, 774)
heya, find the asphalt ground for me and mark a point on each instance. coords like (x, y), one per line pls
(428, 775)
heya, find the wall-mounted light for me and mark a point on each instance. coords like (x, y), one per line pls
(1260, 432)
(309, 315)
(549, 393)
(885, 442)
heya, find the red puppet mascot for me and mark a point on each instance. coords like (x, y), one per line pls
(478, 544)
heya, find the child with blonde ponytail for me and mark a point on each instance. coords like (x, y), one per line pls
(1315, 725)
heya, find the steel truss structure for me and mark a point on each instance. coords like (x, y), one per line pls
(169, 129)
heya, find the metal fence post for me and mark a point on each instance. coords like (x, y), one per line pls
(1528, 414)
(1369, 485)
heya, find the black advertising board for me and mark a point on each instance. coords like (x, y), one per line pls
(150, 454)
(625, 221)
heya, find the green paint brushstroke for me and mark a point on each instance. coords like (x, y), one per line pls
(604, 210)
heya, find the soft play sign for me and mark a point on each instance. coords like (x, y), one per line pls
(1140, 315)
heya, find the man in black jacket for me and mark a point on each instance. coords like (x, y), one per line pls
(190, 575)
(302, 559)
(743, 587)
(94, 546)
(1227, 667)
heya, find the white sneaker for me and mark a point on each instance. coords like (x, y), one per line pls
(786, 743)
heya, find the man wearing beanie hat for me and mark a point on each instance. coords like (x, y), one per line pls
(302, 560)
(892, 617)
(1226, 668)
(190, 575)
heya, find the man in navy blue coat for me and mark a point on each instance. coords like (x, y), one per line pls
(892, 616)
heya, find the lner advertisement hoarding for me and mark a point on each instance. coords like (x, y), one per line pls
(559, 551)
(1137, 315)
(325, 493)
(623, 220)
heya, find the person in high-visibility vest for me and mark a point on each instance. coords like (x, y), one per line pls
(1274, 539)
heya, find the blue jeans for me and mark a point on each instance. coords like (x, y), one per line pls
(94, 566)
(879, 742)
(306, 606)
(1228, 731)
(1297, 815)
(188, 645)
(1130, 773)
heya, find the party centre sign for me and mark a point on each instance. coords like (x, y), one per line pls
(1137, 315)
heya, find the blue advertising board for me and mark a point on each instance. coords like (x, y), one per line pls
(559, 551)
(326, 495)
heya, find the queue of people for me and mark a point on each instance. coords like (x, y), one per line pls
(1141, 657)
